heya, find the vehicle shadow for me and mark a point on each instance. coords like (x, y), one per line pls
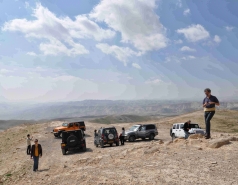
(77, 152)
(140, 140)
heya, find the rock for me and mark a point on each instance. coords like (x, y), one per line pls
(214, 162)
(199, 148)
(168, 143)
(65, 166)
(233, 138)
(151, 150)
(160, 142)
(221, 135)
(195, 136)
(179, 140)
(217, 143)
(194, 142)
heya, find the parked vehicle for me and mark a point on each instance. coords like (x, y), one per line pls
(73, 140)
(106, 136)
(67, 127)
(141, 131)
(177, 130)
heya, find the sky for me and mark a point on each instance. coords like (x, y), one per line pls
(107, 49)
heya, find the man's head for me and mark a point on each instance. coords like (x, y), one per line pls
(36, 141)
(189, 121)
(28, 135)
(207, 91)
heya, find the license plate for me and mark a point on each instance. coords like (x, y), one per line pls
(110, 141)
(62, 144)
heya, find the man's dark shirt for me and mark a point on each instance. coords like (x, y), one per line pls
(210, 107)
(186, 126)
(33, 150)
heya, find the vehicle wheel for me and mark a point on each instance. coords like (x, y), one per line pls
(110, 145)
(117, 143)
(132, 138)
(96, 145)
(85, 148)
(56, 135)
(152, 136)
(173, 137)
(63, 151)
(171, 132)
(102, 145)
(60, 134)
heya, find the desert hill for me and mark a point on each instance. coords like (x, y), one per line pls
(142, 162)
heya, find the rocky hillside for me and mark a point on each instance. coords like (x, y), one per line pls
(195, 161)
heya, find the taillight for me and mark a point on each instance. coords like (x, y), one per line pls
(102, 136)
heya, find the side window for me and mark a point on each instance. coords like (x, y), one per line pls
(76, 124)
(144, 128)
(174, 126)
(71, 124)
(177, 126)
(181, 126)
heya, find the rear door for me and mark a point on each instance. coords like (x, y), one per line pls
(142, 131)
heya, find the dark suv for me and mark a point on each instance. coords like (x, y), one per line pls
(73, 140)
(106, 136)
(141, 131)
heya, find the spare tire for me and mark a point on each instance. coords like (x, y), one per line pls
(110, 136)
(72, 141)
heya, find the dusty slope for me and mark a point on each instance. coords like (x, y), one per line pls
(142, 162)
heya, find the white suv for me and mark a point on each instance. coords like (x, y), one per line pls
(177, 130)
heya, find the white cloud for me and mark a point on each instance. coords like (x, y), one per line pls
(5, 71)
(154, 81)
(229, 28)
(178, 41)
(186, 48)
(121, 53)
(188, 57)
(27, 4)
(186, 12)
(194, 33)
(217, 39)
(135, 65)
(179, 3)
(61, 31)
(136, 20)
(31, 53)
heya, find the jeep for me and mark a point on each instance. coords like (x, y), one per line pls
(73, 140)
(141, 131)
(106, 136)
(68, 126)
(177, 130)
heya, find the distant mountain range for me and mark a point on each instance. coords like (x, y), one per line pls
(101, 108)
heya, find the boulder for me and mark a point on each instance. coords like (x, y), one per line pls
(151, 150)
(195, 141)
(195, 136)
(217, 143)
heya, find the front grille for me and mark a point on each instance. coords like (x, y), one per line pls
(199, 132)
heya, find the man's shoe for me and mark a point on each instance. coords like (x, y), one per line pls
(207, 137)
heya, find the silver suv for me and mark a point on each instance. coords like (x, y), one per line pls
(141, 131)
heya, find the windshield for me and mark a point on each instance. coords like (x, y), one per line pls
(194, 126)
(65, 124)
(134, 128)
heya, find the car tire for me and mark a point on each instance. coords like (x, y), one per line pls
(84, 148)
(152, 137)
(171, 132)
(117, 143)
(110, 145)
(132, 138)
(63, 151)
(173, 137)
(56, 135)
(102, 145)
(60, 134)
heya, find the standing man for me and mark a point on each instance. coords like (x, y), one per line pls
(36, 152)
(209, 105)
(122, 137)
(186, 128)
(28, 142)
